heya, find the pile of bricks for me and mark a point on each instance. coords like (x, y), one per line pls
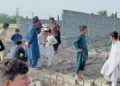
(58, 79)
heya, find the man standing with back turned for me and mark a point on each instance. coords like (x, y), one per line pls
(32, 51)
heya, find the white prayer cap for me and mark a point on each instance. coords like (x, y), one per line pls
(46, 29)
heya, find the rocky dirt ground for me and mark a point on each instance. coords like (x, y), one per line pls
(98, 53)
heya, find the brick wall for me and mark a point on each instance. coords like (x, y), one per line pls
(23, 24)
(99, 27)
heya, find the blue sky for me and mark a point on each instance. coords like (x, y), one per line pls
(44, 8)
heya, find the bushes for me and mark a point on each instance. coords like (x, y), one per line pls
(6, 18)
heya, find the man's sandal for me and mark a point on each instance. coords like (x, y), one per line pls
(82, 78)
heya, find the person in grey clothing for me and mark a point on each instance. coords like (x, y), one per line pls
(16, 50)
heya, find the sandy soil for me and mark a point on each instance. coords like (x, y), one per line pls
(65, 57)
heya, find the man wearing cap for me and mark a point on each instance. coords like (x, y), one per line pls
(32, 50)
(55, 29)
(41, 43)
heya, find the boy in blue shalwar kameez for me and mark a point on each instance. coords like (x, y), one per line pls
(82, 54)
(16, 36)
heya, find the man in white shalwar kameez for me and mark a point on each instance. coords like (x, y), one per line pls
(41, 43)
(111, 68)
(3, 38)
(50, 41)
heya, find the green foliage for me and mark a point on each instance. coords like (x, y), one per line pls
(107, 45)
(10, 28)
(114, 15)
(103, 13)
(6, 18)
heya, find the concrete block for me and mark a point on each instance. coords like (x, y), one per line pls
(72, 80)
(53, 76)
(89, 82)
(60, 83)
(40, 75)
(39, 83)
(32, 84)
(81, 83)
(47, 80)
(98, 81)
(103, 84)
(46, 75)
(66, 84)
(53, 83)
(66, 78)
(45, 83)
(60, 78)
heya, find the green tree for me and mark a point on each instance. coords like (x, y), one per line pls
(103, 13)
(114, 15)
(6, 18)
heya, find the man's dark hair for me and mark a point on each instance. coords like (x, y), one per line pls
(114, 34)
(17, 30)
(49, 31)
(52, 19)
(5, 25)
(34, 20)
(10, 68)
(82, 27)
(18, 42)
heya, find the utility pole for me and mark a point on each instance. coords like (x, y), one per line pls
(17, 14)
(32, 14)
(58, 17)
(49, 16)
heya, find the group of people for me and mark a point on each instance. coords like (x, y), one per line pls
(15, 50)
(38, 46)
(41, 43)
(111, 68)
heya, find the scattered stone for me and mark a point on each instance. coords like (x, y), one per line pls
(89, 82)
(103, 84)
(32, 84)
(70, 62)
(106, 55)
(81, 83)
(98, 81)
(72, 51)
(39, 83)
(92, 54)
(66, 84)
